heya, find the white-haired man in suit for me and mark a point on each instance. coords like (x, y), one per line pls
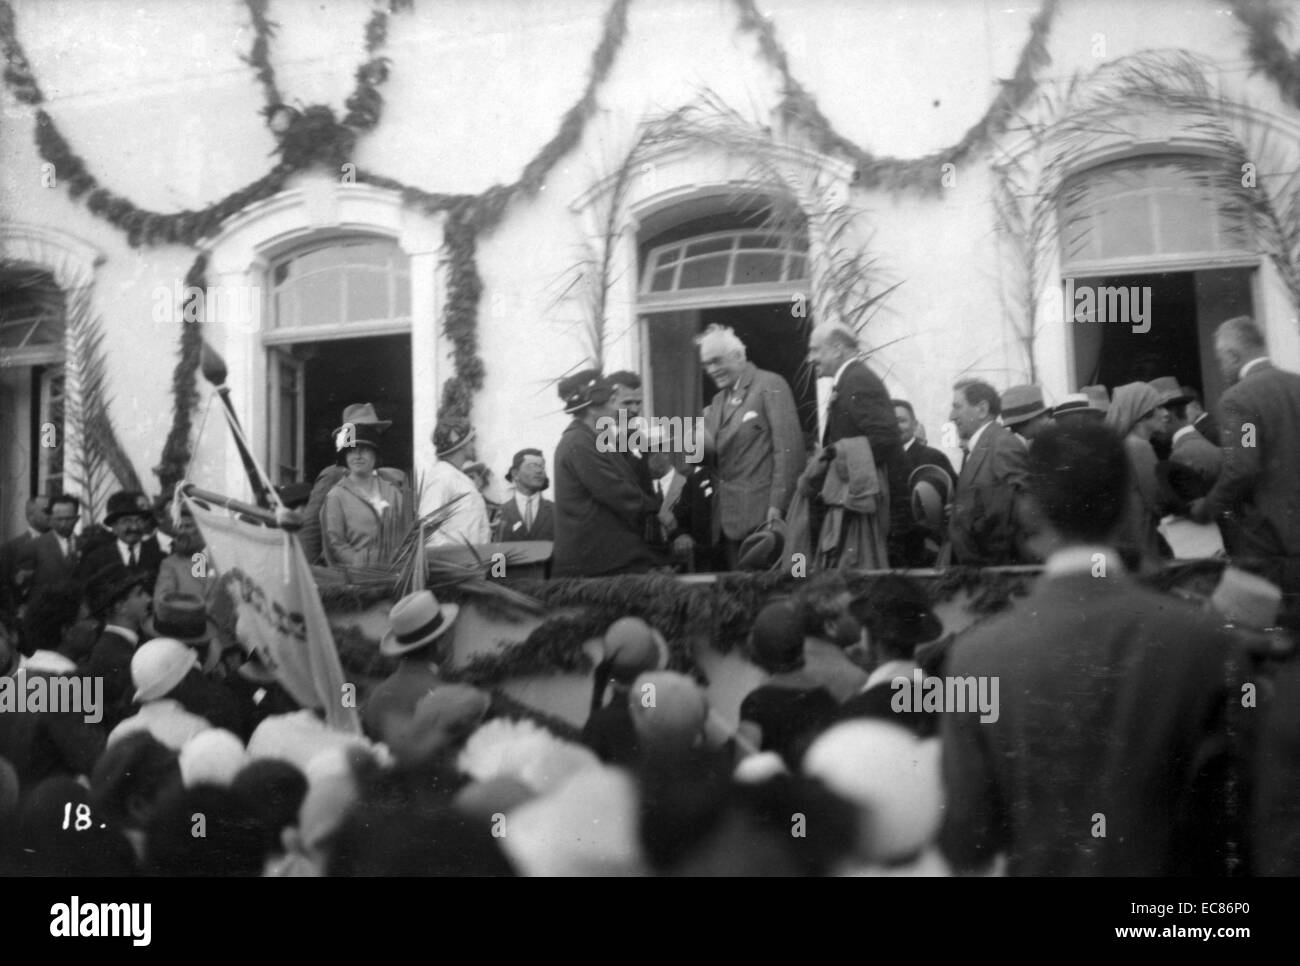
(752, 437)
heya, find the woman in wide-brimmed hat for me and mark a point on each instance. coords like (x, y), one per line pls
(361, 510)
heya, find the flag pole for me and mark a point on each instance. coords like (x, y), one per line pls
(214, 371)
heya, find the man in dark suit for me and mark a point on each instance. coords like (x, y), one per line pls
(751, 437)
(693, 514)
(917, 453)
(860, 407)
(1204, 422)
(983, 529)
(54, 557)
(1106, 750)
(15, 576)
(120, 601)
(600, 509)
(527, 515)
(1258, 490)
(128, 521)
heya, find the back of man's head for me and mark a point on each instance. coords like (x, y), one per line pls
(1079, 475)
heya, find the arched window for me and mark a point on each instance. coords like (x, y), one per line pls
(724, 260)
(351, 286)
(1163, 210)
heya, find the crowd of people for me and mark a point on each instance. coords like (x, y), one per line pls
(1117, 740)
(870, 493)
(1098, 727)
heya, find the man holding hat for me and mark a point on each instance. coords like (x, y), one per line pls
(1025, 413)
(467, 520)
(127, 517)
(527, 515)
(417, 624)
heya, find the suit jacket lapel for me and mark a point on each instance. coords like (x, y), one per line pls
(982, 447)
(743, 384)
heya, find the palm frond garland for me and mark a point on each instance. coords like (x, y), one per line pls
(94, 461)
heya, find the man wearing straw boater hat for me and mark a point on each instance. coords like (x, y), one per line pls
(466, 519)
(417, 624)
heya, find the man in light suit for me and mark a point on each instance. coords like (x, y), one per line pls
(1257, 494)
(527, 515)
(983, 529)
(1111, 706)
(752, 436)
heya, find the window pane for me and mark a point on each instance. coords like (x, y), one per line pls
(402, 295)
(760, 241)
(706, 272)
(1186, 223)
(367, 295)
(663, 280)
(668, 257)
(798, 268)
(758, 267)
(320, 300)
(710, 245)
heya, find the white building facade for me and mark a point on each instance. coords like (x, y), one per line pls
(943, 174)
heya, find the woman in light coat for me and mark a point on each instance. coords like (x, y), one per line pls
(361, 511)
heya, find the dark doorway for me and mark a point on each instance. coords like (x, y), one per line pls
(1185, 309)
(345, 371)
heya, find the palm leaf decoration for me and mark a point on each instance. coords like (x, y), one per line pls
(1243, 163)
(94, 461)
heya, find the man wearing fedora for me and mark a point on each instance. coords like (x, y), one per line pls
(1187, 447)
(417, 624)
(1111, 705)
(467, 519)
(600, 508)
(527, 514)
(1025, 413)
(127, 517)
(119, 600)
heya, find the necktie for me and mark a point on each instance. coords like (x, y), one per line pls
(528, 513)
(965, 452)
(134, 558)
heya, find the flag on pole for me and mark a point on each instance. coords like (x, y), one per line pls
(279, 613)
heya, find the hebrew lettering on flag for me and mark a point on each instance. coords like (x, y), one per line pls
(279, 613)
